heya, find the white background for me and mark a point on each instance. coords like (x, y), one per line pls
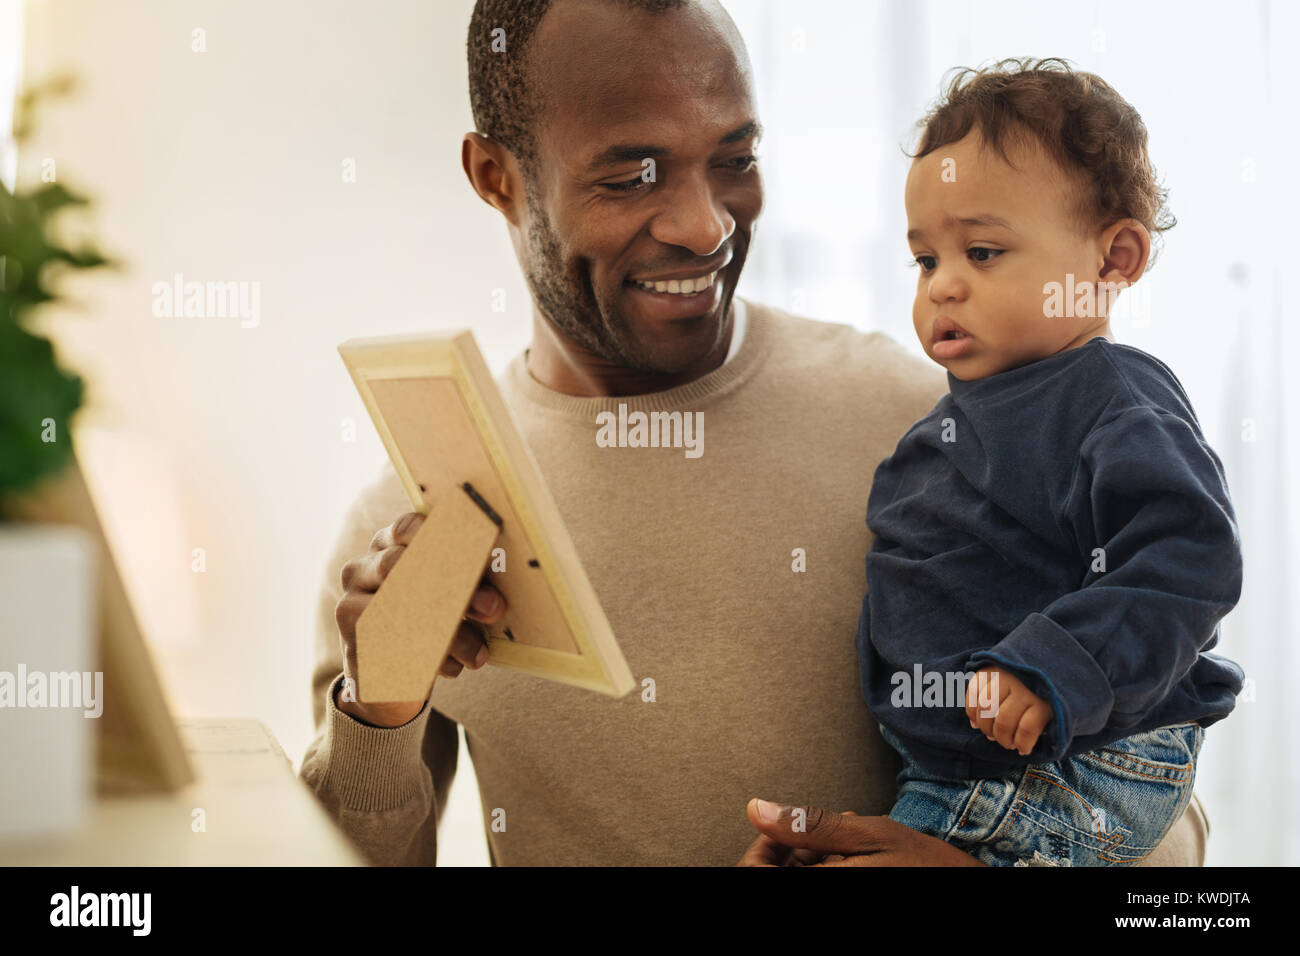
(226, 166)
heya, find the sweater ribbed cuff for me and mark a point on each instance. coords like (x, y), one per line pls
(1057, 668)
(373, 768)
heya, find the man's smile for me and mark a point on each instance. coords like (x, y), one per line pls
(680, 294)
(686, 285)
(672, 302)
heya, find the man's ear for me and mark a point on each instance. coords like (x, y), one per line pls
(494, 174)
(1125, 249)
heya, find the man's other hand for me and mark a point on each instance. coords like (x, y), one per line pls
(810, 836)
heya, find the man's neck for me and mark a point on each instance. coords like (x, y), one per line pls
(566, 367)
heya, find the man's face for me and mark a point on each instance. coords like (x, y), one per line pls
(620, 87)
(987, 239)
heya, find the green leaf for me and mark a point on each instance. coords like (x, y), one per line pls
(37, 401)
(55, 196)
(37, 397)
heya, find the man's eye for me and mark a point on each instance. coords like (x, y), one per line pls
(627, 186)
(741, 164)
(977, 253)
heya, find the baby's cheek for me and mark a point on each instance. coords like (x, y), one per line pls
(1028, 331)
(921, 319)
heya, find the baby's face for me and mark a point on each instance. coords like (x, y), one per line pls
(987, 239)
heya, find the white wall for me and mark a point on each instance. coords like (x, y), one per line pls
(11, 57)
(227, 165)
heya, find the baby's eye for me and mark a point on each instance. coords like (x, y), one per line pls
(925, 262)
(975, 251)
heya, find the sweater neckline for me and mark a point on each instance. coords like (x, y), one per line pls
(726, 376)
(1027, 372)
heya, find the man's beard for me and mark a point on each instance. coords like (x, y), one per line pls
(570, 303)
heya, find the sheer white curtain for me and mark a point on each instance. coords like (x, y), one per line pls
(840, 85)
(11, 50)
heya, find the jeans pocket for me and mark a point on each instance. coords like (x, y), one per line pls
(1164, 754)
(1115, 803)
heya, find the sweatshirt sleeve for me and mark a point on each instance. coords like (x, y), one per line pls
(381, 785)
(1150, 511)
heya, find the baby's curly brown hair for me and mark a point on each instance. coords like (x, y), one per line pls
(1086, 127)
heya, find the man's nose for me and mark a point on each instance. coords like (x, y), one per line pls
(693, 217)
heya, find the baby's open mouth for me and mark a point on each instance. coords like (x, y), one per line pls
(949, 340)
(946, 329)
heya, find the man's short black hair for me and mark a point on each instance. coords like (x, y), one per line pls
(504, 104)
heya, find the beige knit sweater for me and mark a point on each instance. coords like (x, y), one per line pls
(755, 675)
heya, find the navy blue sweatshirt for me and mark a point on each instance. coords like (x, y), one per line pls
(994, 518)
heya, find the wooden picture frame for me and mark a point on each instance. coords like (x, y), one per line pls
(462, 463)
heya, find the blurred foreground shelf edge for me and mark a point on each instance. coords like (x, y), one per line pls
(245, 808)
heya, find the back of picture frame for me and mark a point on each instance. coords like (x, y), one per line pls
(452, 441)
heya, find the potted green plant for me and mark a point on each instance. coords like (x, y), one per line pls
(48, 572)
(37, 397)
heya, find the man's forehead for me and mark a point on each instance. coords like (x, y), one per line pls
(592, 34)
(608, 71)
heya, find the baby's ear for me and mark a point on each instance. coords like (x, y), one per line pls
(1125, 251)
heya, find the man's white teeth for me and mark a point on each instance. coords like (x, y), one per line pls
(678, 286)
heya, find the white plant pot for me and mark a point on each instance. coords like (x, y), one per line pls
(48, 632)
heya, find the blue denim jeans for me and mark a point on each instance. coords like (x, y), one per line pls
(1107, 807)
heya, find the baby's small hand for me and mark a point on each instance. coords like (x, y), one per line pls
(1006, 711)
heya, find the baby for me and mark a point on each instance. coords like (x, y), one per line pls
(1055, 544)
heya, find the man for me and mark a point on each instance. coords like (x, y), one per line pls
(617, 138)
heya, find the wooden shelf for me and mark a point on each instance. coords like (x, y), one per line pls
(256, 813)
